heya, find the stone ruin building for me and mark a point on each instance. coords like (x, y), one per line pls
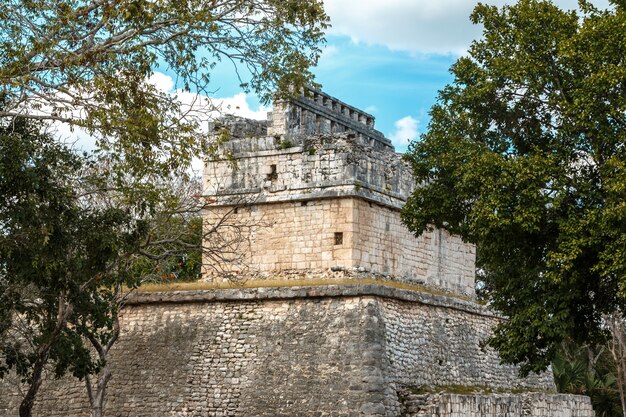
(343, 313)
(331, 186)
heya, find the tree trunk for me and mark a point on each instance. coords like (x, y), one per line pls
(97, 399)
(26, 406)
(618, 351)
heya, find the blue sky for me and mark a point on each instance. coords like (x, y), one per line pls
(387, 57)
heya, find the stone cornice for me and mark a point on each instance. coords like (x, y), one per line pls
(323, 291)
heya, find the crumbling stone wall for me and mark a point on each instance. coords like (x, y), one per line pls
(239, 127)
(269, 170)
(314, 112)
(302, 351)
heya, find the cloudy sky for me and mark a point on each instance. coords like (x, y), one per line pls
(388, 57)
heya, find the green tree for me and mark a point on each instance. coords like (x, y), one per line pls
(86, 62)
(525, 156)
(72, 248)
(58, 260)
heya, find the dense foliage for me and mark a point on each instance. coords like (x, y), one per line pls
(87, 62)
(71, 247)
(525, 156)
(58, 258)
(588, 370)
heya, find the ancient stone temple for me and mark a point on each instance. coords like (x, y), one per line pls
(328, 305)
(331, 186)
(380, 315)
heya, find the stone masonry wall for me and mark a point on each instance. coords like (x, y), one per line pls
(429, 346)
(500, 405)
(384, 245)
(303, 351)
(314, 237)
(278, 358)
(267, 170)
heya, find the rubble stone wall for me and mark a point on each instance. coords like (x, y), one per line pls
(450, 344)
(272, 358)
(304, 351)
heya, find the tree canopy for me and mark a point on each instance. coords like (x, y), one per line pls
(87, 62)
(525, 156)
(57, 259)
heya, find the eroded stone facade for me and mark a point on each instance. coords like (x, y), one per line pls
(314, 112)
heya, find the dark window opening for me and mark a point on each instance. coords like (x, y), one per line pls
(338, 238)
(236, 210)
(273, 175)
(304, 203)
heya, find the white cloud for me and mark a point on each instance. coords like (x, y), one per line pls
(75, 137)
(162, 82)
(208, 107)
(213, 106)
(329, 52)
(406, 129)
(239, 106)
(427, 26)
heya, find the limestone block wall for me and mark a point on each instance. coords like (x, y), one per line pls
(304, 351)
(384, 245)
(315, 236)
(293, 236)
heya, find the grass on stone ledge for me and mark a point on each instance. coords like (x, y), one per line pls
(272, 283)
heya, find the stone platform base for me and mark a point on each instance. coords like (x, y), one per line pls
(331, 351)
